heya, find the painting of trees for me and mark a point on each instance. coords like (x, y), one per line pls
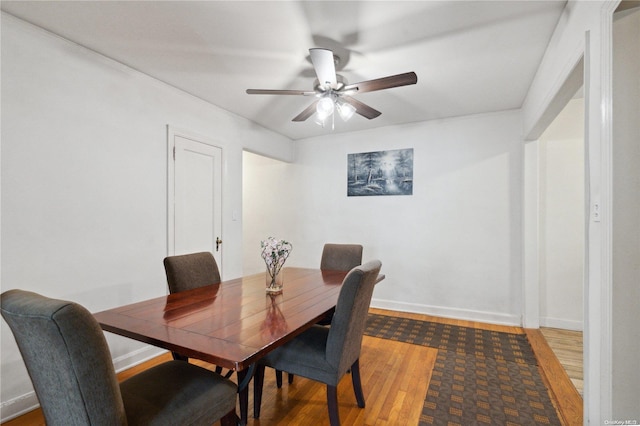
(380, 173)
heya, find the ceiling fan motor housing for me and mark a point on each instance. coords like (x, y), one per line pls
(341, 83)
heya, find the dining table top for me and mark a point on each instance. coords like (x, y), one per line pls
(231, 324)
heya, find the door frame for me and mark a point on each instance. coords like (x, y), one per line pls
(172, 132)
(595, 46)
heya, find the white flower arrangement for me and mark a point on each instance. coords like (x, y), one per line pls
(274, 253)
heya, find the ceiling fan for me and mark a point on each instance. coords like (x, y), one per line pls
(334, 93)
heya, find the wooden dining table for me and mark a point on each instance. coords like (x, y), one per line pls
(231, 324)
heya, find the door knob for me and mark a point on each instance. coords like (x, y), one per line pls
(218, 242)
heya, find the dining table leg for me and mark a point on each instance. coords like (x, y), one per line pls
(244, 377)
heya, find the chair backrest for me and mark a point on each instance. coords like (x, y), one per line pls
(67, 358)
(341, 257)
(189, 271)
(349, 320)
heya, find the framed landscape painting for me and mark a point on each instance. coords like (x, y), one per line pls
(380, 173)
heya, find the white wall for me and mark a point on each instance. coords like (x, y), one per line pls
(452, 248)
(84, 182)
(626, 215)
(561, 213)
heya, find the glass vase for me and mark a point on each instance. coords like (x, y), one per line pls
(274, 283)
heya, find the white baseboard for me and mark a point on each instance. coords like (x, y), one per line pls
(563, 324)
(18, 406)
(136, 357)
(22, 404)
(464, 314)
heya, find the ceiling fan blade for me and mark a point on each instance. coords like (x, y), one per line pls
(308, 112)
(362, 109)
(323, 63)
(280, 92)
(383, 83)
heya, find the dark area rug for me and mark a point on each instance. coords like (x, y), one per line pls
(480, 377)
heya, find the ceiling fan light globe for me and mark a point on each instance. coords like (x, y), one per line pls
(325, 108)
(346, 110)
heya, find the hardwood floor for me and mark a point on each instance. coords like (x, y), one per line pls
(395, 377)
(567, 346)
(563, 393)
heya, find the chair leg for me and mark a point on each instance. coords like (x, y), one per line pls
(357, 384)
(258, 381)
(332, 402)
(279, 378)
(229, 419)
(179, 357)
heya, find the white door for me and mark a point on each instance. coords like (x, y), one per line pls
(195, 196)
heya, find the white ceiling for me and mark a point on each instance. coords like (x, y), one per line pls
(470, 56)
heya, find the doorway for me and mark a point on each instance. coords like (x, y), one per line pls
(265, 183)
(561, 217)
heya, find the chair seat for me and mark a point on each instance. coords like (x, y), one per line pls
(164, 394)
(314, 365)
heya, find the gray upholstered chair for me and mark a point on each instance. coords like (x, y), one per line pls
(325, 354)
(335, 257)
(69, 363)
(341, 257)
(189, 271)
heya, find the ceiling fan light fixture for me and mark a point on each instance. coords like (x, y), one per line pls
(325, 107)
(345, 109)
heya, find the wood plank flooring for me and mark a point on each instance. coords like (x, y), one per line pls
(567, 346)
(395, 377)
